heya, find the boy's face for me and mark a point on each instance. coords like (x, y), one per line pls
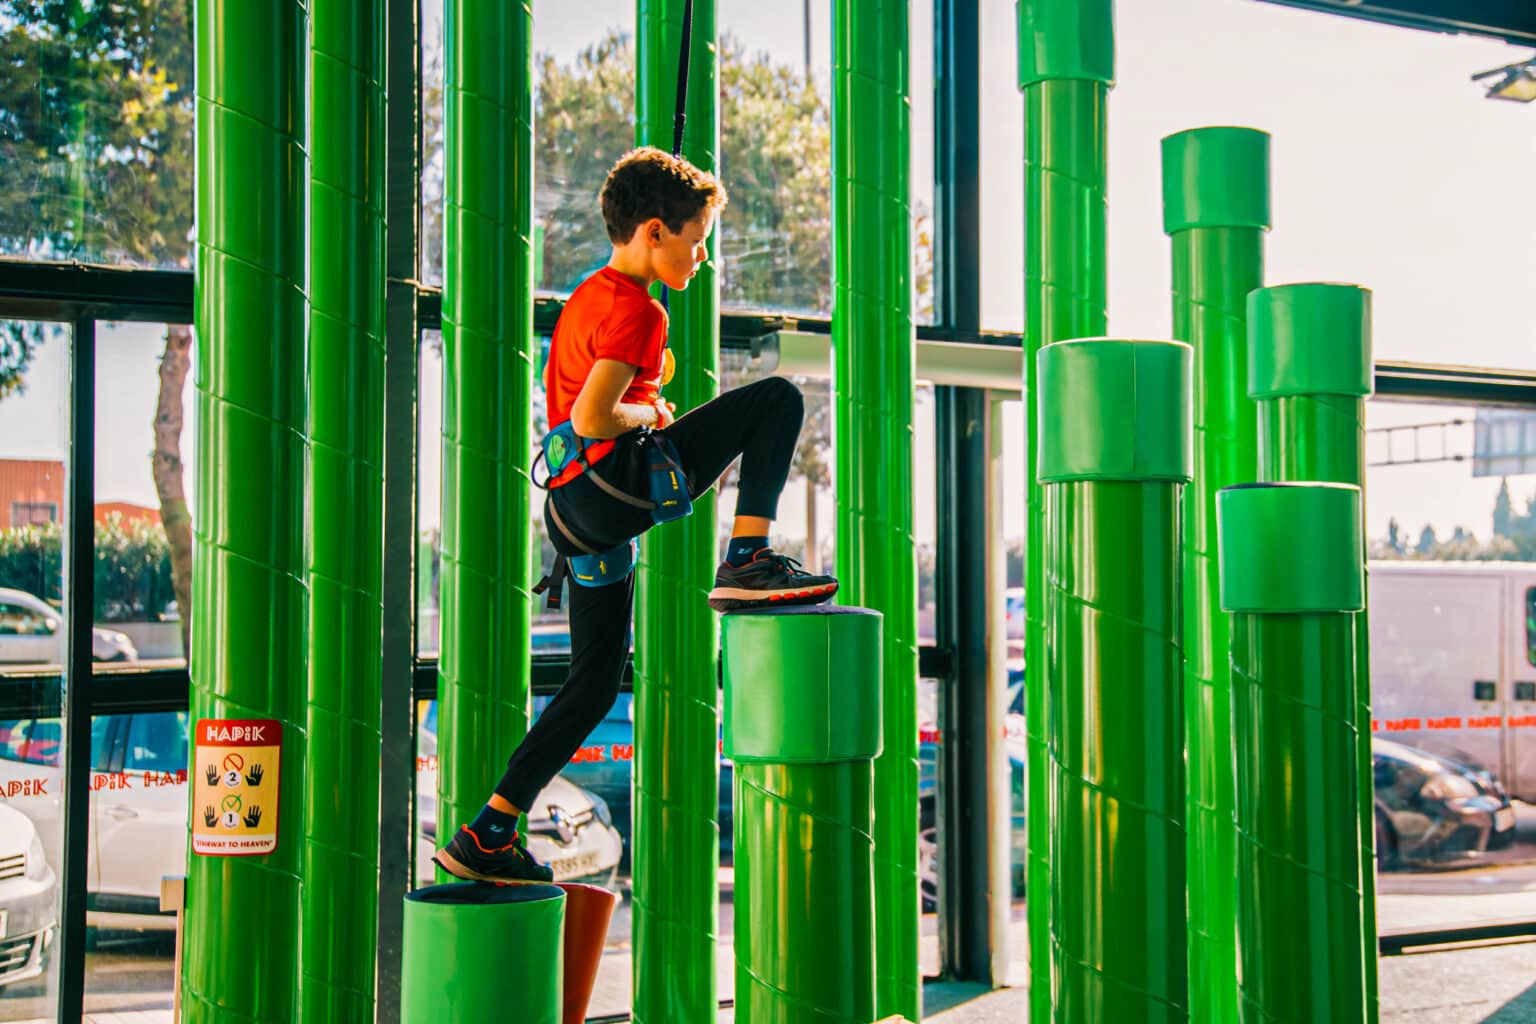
(676, 257)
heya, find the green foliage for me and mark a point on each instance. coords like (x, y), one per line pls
(774, 241)
(133, 571)
(133, 567)
(32, 559)
(96, 151)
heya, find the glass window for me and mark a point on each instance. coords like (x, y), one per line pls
(1434, 145)
(550, 630)
(775, 238)
(144, 490)
(1530, 625)
(139, 810)
(33, 513)
(34, 451)
(96, 119)
(584, 70)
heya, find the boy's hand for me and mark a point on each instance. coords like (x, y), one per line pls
(666, 413)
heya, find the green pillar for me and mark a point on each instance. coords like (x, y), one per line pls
(1066, 68)
(1215, 210)
(676, 851)
(1292, 575)
(802, 725)
(249, 608)
(487, 406)
(346, 529)
(874, 363)
(1113, 463)
(1310, 370)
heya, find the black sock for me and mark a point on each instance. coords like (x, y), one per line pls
(494, 828)
(742, 550)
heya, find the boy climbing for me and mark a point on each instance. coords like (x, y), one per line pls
(619, 462)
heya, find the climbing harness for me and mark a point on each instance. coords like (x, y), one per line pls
(668, 499)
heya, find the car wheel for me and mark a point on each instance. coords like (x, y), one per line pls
(1386, 844)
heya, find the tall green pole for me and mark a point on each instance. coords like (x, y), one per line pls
(488, 405)
(249, 608)
(874, 363)
(1066, 67)
(1115, 452)
(1292, 575)
(346, 528)
(802, 726)
(1215, 210)
(346, 497)
(1310, 371)
(677, 830)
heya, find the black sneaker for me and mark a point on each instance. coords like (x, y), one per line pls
(464, 857)
(768, 581)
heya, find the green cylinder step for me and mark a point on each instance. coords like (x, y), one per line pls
(1292, 577)
(1114, 454)
(802, 714)
(479, 952)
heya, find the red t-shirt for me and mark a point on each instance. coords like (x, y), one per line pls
(608, 316)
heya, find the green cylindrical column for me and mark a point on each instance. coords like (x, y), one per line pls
(1066, 68)
(1216, 210)
(473, 950)
(873, 370)
(802, 726)
(1310, 371)
(1292, 560)
(1115, 452)
(487, 406)
(249, 608)
(676, 851)
(346, 529)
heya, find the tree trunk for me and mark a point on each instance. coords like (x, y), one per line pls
(168, 474)
(812, 548)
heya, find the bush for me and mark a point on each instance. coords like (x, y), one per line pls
(32, 559)
(133, 567)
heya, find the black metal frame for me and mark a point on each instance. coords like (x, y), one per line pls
(81, 295)
(1513, 21)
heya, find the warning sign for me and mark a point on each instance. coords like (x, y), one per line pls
(234, 791)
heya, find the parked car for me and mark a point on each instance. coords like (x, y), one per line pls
(32, 632)
(569, 828)
(1432, 810)
(28, 900)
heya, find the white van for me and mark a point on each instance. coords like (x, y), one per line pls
(1453, 663)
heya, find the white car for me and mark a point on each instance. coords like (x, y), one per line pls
(570, 829)
(138, 806)
(32, 633)
(28, 901)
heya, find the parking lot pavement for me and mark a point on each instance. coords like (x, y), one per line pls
(129, 975)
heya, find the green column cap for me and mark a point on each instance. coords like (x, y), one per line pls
(1066, 39)
(1216, 178)
(1290, 548)
(1115, 410)
(1309, 339)
(802, 684)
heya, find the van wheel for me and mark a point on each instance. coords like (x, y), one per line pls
(1386, 844)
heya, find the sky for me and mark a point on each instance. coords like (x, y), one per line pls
(1390, 169)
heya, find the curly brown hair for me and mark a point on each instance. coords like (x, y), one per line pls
(648, 182)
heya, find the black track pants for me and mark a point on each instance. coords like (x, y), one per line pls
(760, 423)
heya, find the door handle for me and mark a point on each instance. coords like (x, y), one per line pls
(121, 812)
